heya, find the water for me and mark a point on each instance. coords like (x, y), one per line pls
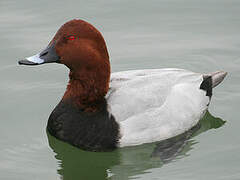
(201, 36)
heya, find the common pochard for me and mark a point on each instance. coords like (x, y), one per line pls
(99, 113)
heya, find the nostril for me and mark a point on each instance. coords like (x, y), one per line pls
(43, 54)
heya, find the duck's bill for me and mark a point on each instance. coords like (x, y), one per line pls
(33, 60)
(48, 55)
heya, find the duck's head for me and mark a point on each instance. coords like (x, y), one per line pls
(77, 44)
(81, 47)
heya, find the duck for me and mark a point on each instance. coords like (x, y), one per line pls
(102, 111)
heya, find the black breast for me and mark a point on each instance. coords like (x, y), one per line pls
(89, 131)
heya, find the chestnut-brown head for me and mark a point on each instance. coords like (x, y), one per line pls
(81, 47)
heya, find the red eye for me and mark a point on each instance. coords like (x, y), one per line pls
(71, 37)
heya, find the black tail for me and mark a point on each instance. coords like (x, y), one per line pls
(211, 80)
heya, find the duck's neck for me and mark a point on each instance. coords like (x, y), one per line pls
(86, 90)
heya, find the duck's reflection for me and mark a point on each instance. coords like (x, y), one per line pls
(75, 164)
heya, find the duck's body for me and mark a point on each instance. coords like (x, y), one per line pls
(141, 106)
(100, 113)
